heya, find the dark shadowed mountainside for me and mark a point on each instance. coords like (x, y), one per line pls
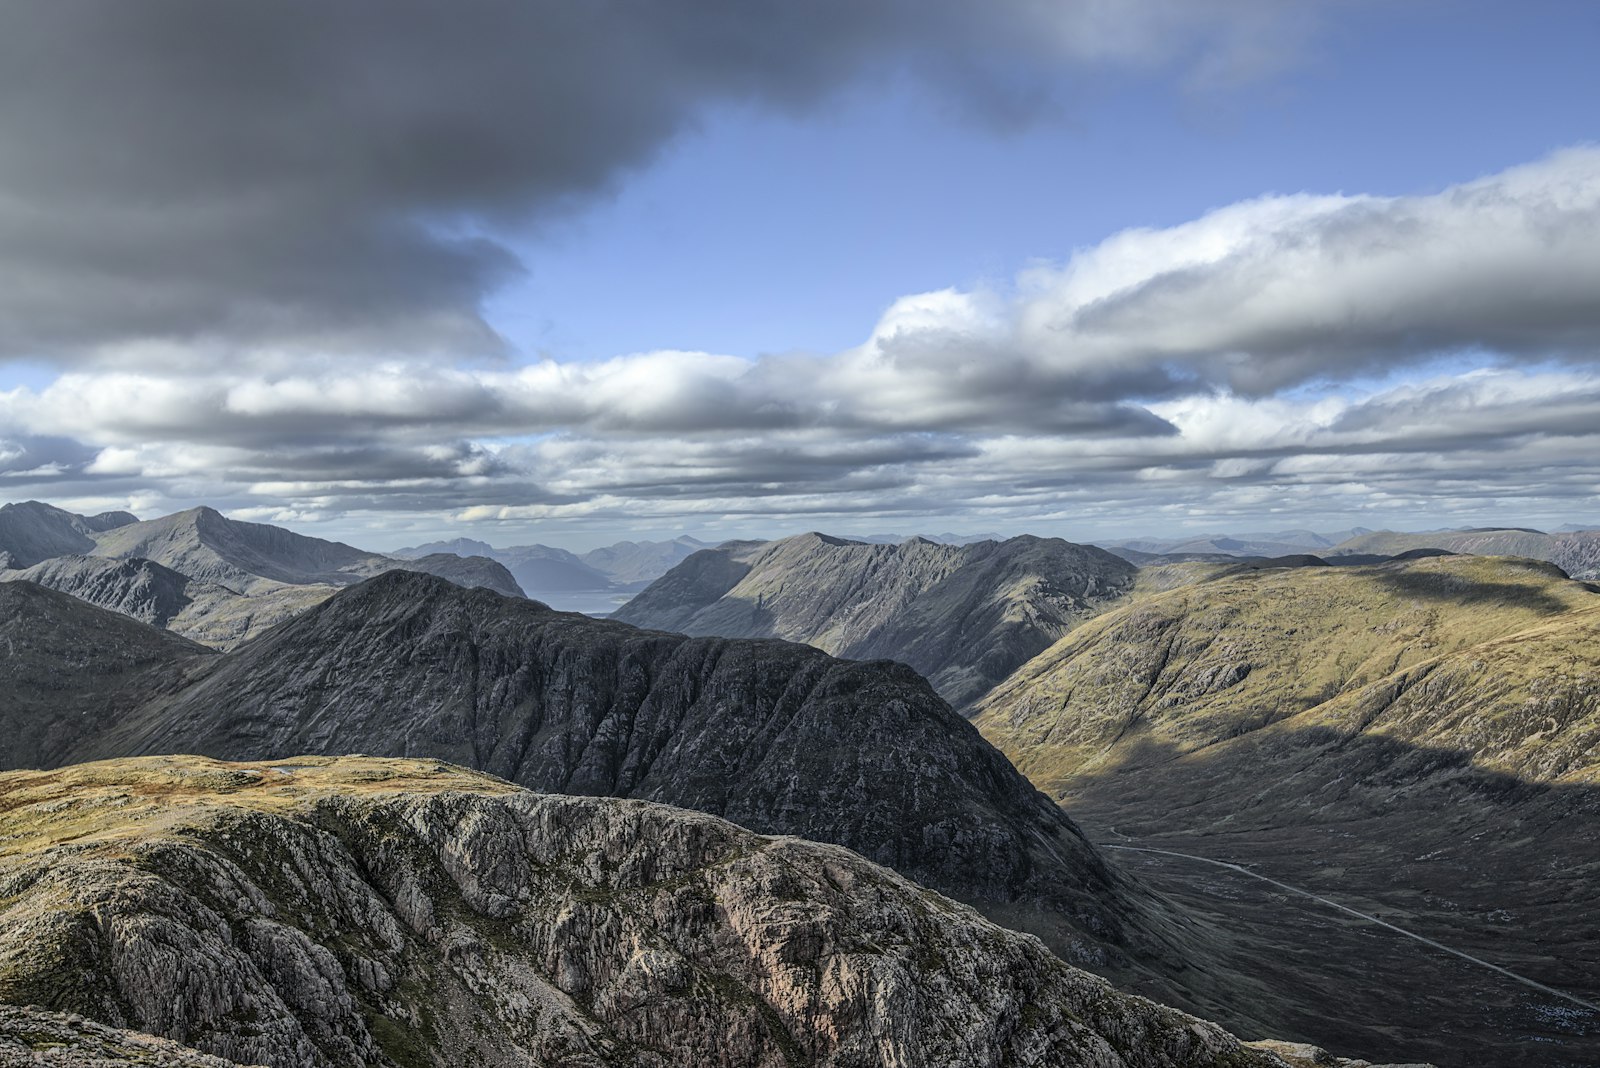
(72, 670)
(963, 615)
(1420, 739)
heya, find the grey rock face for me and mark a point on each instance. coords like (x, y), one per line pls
(965, 616)
(331, 913)
(30, 1035)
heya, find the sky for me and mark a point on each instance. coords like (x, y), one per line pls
(546, 272)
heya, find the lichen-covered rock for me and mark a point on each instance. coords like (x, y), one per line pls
(30, 1035)
(335, 912)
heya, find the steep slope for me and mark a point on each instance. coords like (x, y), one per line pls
(1577, 553)
(141, 589)
(71, 669)
(963, 615)
(1420, 739)
(777, 736)
(329, 912)
(31, 531)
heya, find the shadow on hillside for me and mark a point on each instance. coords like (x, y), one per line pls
(1486, 862)
(1442, 586)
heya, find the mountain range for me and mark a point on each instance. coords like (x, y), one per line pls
(965, 616)
(554, 575)
(198, 573)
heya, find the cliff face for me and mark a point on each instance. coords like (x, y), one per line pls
(964, 616)
(400, 913)
(776, 736)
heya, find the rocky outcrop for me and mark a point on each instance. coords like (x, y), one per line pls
(965, 616)
(30, 1035)
(401, 913)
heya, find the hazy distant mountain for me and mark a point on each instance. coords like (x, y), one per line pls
(1577, 553)
(32, 531)
(210, 578)
(963, 615)
(1257, 543)
(403, 912)
(542, 569)
(1421, 735)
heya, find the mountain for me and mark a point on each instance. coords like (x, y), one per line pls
(202, 575)
(536, 568)
(549, 573)
(777, 736)
(141, 589)
(963, 615)
(72, 670)
(635, 563)
(321, 912)
(32, 531)
(1267, 543)
(1576, 552)
(1419, 738)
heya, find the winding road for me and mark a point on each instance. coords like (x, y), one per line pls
(1524, 980)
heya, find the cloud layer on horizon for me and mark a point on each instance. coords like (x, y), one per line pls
(255, 256)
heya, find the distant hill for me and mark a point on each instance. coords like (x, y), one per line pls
(963, 615)
(548, 573)
(1257, 544)
(210, 578)
(1575, 552)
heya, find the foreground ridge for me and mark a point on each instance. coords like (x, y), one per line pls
(332, 911)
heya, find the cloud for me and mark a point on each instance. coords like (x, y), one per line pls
(1352, 356)
(189, 183)
(1271, 293)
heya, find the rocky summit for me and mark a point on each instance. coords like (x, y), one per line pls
(330, 912)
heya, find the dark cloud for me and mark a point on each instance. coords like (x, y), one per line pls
(298, 173)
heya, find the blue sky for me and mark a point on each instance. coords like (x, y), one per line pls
(388, 273)
(759, 232)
